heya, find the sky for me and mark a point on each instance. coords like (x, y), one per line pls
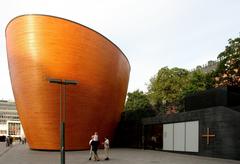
(151, 33)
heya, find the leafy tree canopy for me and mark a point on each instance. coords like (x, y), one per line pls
(169, 87)
(137, 100)
(229, 66)
(198, 81)
(166, 87)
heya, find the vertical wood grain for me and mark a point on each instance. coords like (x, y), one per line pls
(42, 46)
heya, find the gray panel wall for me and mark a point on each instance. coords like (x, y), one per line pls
(222, 121)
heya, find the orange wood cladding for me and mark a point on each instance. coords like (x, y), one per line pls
(40, 47)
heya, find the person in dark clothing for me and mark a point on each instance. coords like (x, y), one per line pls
(95, 144)
(7, 141)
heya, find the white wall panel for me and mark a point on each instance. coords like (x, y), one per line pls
(192, 136)
(168, 137)
(179, 136)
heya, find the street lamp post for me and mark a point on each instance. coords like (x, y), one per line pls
(62, 82)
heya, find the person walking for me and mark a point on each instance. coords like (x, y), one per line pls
(91, 151)
(7, 141)
(106, 148)
(95, 143)
(10, 140)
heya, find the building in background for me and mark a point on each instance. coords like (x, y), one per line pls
(9, 120)
(209, 67)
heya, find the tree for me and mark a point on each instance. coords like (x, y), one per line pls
(210, 79)
(166, 87)
(137, 100)
(198, 81)
(229, 68)
(137, 107)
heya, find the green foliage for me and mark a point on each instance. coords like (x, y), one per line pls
(166, 87)
(137, 107)
(137, 100)
(197, 82)
(228, 70)
(210, 81)
(231, 52)
(169, 87)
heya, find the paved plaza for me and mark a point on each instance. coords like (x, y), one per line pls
(20, 154)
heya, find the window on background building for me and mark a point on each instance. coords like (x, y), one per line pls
(14, 128)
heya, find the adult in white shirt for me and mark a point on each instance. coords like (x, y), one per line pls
(95, 136)
(95, 143)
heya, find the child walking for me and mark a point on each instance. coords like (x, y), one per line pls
(106, 148)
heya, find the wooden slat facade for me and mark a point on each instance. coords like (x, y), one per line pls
(40, 47)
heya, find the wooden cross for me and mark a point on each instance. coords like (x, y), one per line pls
(208, 135)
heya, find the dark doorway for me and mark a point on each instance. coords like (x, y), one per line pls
(153, 137)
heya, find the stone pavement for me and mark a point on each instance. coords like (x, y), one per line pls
(4, 149)
(20, 154)
(2, 146)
